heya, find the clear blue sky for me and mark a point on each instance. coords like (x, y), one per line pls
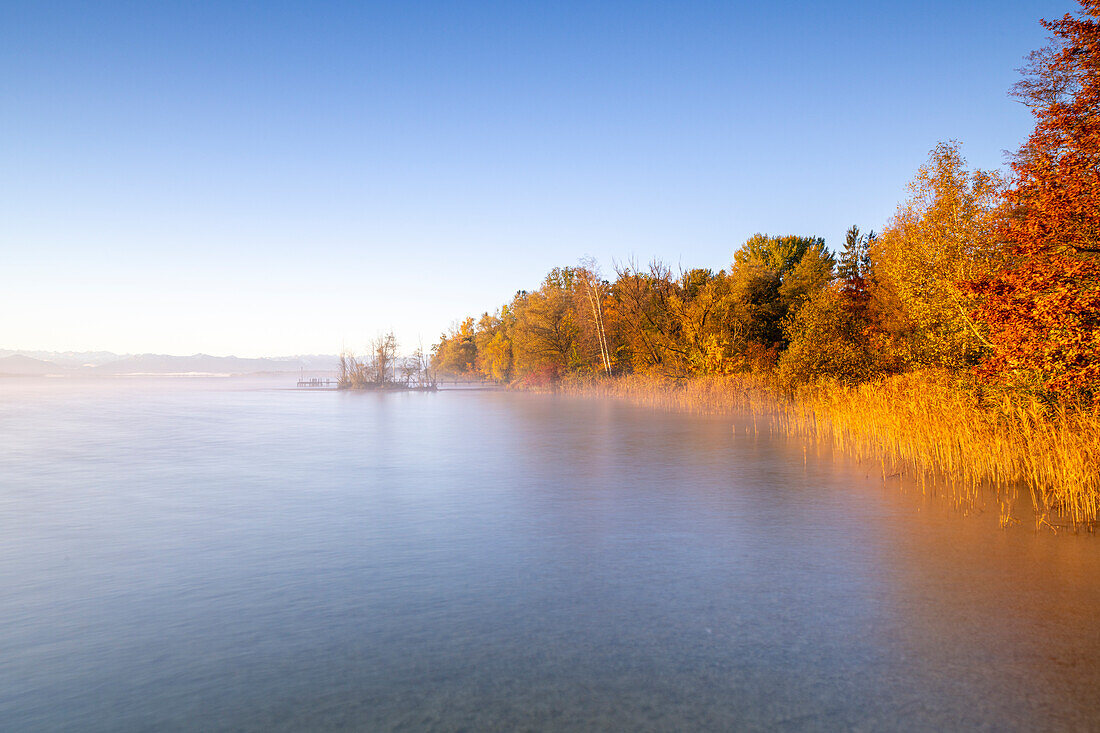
(277, 178)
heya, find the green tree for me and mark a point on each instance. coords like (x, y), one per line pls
(854, 269)
(767, 282)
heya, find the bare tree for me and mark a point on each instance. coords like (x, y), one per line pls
(354, 374)
(383, 359)
(426, 376)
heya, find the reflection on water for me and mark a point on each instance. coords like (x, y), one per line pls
(221, 554)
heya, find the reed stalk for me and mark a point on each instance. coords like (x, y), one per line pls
(952, 438)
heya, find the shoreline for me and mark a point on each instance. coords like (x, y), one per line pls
(922, 424)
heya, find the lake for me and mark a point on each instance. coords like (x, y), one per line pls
(224, 554)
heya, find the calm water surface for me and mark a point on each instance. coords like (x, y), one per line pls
(225, 555)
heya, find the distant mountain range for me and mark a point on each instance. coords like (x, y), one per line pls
(67, 358)
(41, 363)
(19, 365)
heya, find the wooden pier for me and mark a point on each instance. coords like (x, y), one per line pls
(317, 383)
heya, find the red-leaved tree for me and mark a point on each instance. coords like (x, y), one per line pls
(1043, 310)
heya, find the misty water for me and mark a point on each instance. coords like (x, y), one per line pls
(221, 554)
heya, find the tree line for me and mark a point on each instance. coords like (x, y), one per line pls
(979, 272)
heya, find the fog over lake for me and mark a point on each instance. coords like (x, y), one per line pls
(226, 554)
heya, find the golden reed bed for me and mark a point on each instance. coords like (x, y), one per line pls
(924, 424)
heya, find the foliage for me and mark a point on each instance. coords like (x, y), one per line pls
(1042, 310)
(942, 235)
(648, 321)
(456, 352)
(770, 277)
(854, 268)
(547, 330)
(962, 277)
(493, 346)
(826, 341)
(879, 351)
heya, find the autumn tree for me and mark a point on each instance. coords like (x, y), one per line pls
(827, 328)
(811, 274)
(456, 352)
(854, 268)
(943, 235)
(827, 339)
(771, 277)
(594, 290)
(353, 373)
(699, 305)
(493, 339)
(546, 328)
(1042, 310)
(378, 368)
(642, 301)
(382, 358)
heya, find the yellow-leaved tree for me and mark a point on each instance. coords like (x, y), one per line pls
(494, 345)
(941, 237)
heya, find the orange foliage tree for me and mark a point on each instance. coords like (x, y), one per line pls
(1043, 309)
